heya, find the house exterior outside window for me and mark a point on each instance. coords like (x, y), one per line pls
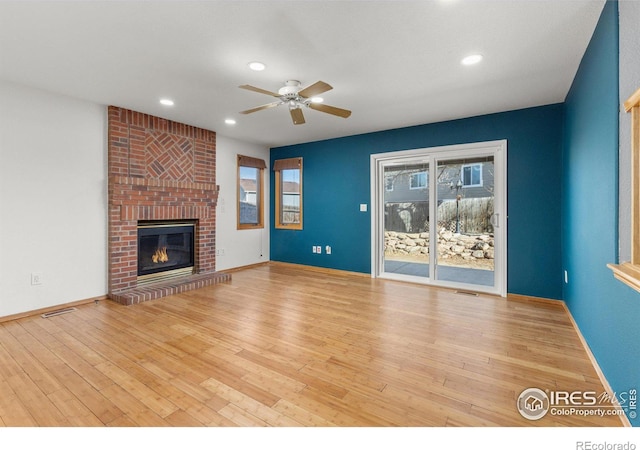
(388, 184)
(471, 175)
(418, 180)
(288, 199)
(250, 192)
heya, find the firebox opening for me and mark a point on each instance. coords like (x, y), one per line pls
(165, 250)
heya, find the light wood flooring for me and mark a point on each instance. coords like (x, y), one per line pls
(282, 345)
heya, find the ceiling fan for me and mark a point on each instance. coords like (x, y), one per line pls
(292, 95)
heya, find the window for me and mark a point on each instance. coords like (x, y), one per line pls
(471, 175)
(388, 183)
(288, 193)
(250, 197)
(629, 272)
(418, 180)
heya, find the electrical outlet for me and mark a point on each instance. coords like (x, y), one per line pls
(363, 207)
(327, 249)
(314, 249)
(318, 249)
(36, 278)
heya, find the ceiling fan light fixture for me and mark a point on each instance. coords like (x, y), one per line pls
(257, 66)
(291, 95)
(230, 121)
(290, 88)
(471, 59)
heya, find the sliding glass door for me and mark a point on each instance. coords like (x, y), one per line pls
(439, 216)
(406, 217)
(465, 239)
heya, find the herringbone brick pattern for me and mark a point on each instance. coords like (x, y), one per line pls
(169, 156)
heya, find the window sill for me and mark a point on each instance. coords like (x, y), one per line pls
(628, 273)
(250, 227)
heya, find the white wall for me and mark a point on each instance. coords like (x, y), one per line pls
(629, 12)
(53, 199)
(241, 247)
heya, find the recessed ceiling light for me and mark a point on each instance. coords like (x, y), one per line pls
(257, 66)
(166, 102)
(317, 99)
(472, 59)
(230, 121)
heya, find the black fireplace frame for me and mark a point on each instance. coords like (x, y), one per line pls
(176, 236)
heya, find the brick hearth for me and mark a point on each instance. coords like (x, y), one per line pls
(152, 292)
(159, 170)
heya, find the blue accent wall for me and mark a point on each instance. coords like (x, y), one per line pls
(606, 311)
(336, 180)
(562, 202)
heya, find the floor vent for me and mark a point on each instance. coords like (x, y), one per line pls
(57, 312)
(473, 294)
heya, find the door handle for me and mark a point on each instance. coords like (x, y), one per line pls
(495, 220)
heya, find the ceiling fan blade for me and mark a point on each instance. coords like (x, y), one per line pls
(330, 110)
(258, 90)
(260, 108)
(297, 116)
(315, 89)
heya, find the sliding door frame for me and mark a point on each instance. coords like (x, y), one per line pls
(498, 149)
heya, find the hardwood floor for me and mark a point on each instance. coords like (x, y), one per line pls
(283, 346)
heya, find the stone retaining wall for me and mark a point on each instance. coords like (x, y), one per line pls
(450, 245)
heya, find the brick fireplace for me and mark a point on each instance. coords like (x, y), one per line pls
(159, 170)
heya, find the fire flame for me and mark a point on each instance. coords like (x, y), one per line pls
(160, 255)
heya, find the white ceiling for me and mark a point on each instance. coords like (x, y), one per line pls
(393, 63)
